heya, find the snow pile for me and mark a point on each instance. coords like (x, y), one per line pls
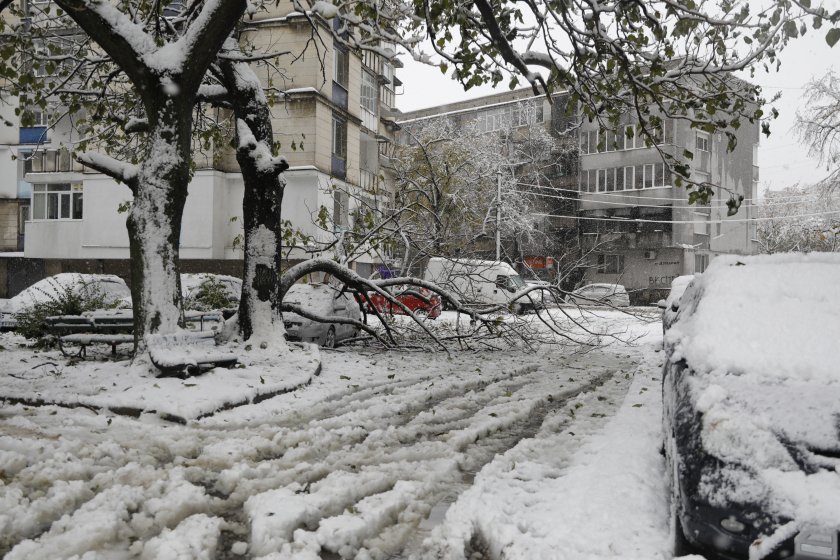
(776, 315)
(46, 378)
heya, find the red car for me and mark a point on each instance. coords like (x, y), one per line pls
(421, 301)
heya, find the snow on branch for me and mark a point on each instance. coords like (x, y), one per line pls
(260, 152)
(118, 170)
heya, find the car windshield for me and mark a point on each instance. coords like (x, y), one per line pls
(516, 281)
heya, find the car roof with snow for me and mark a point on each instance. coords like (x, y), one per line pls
(112, 286)
(613, 287)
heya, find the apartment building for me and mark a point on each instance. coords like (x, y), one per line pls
(332, 116)
(639, 229)
(629, 223)
(511, 114)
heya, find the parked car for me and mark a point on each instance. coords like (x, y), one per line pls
(206, 292)
(751, 408)
(478, 282)
(421, 301)
(323, 300)
(600, 294)
(112, 288)
(671, 304)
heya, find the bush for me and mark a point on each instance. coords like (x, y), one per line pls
(211, 294)
(73, 299)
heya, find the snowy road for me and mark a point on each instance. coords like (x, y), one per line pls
(364, 463)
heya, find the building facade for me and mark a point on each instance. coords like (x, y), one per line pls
(331, 117)
(638, 228)
(629, 223)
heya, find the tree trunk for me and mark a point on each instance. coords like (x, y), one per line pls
(259, 307)
(154, 223)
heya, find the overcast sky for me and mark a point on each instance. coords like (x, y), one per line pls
(783, 161)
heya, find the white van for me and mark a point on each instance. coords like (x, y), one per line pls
(479, 282)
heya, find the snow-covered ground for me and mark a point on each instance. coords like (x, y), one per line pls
(544, 453)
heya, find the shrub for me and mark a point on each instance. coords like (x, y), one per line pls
(211, 294)
(73, 299)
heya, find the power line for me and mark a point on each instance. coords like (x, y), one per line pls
(647, 221)
(622, 193)
(637, 205)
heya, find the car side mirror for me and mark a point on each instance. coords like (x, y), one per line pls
(512, 290)
(660, 304)
(675, 306)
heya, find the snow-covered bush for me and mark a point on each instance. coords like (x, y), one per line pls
(61, 299)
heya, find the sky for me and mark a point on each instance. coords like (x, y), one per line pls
(783, 161)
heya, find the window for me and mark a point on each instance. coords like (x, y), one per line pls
(628, 178)
(341, 67)
(629, 135)
(659, 175)
(602, 180)
(339, 145)
(640, 176)
(668, 132)
(648, 183)
(702, 142)
(609, 142)
(610, 180)
(23, 217)
(47, 161)
(584, 142)
(610, 264)
(57, 201)
(367, 100)
(341, 214)
(640, 137)
(619, 178)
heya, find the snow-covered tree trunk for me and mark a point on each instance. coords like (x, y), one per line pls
(259, 307)
(154, 222)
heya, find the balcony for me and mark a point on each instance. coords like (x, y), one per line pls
(33, 135)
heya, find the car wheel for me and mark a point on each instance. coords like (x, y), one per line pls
(681, 545)
(329, 341)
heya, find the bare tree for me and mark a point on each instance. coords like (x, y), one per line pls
(818, 123)
(799, 219)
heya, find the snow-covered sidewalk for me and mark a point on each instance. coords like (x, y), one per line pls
(578, 490)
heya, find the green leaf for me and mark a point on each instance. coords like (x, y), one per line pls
(832, 37)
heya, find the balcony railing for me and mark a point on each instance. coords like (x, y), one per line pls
(33, 135)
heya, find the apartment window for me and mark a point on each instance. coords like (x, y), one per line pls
(584, 142)
(640, 177)
(629, 136)
(609, 141)
(648, 182)
(57, 201)
(341, 67)
(669, 134)
(593, 141)
(619, 178)
(368, 94)
(23, 217)
(339, 145)
(702, 142)
(47, 161)
(659, 175)
(640, 137)
(628, 178)
(611, 264)
(341, 214)
(602, 180)
(610, 180)
(592, 181)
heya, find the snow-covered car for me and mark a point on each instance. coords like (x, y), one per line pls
(751, 407)
(205, 291)
(614, 295)
(671, 304)
(322, 300)
(112, 288)
(421, 301)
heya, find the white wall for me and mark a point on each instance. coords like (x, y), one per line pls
(207, 230)
(8, 170)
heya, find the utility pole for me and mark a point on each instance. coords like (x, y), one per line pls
(499, 214)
